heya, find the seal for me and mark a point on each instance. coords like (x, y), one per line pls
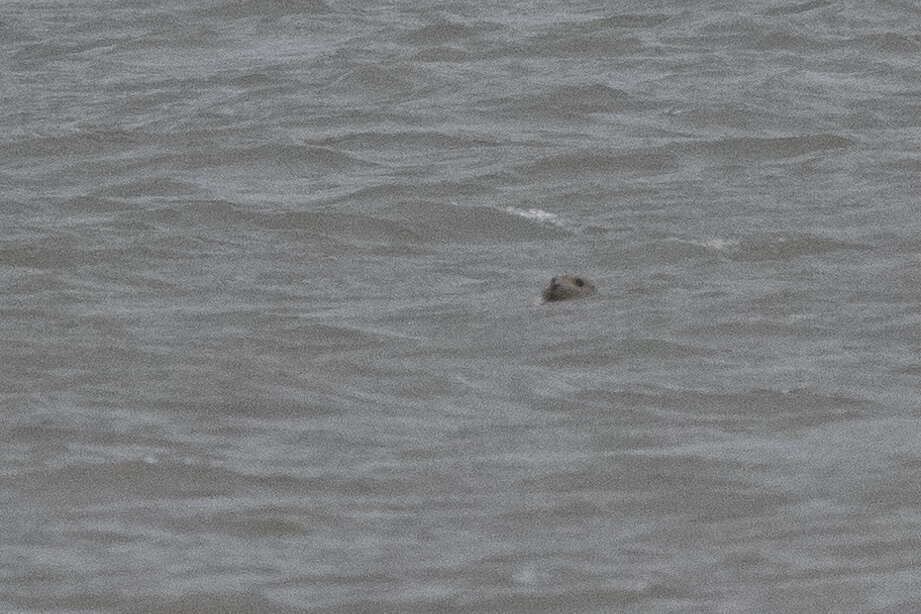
(565, 287)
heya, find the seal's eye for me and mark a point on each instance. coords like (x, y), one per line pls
(579, 282)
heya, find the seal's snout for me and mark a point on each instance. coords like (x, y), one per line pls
(566, 287)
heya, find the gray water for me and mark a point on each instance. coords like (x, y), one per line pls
(270, 329)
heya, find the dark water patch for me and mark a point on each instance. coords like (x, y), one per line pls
(650, 20)
(520, 600)
(63, 598)
(227, 216)
(760, 328)
(904, 332)
(703, 489)
(219, 213)
(318, 339)
(577, 599)
(653, 285)
(95, 205)
(268, 76)
(503, 571)
(97, 537)
(797, 8)
(26, 283)
(34, 55)
(787, 246)
(295, 159)
(442, 54)
(912, 370)
(173, 247)
(662, 252)
(11, 32)
(344, 225)
(235, 400)
(374, 80)
(737, 115)
(436, 222)
(783, 41)
(157, 187)
(749, 410)
(79, 144)
(907, 166)
(373, 197)
(642, 163)
(888, 489)
(238, 9)
(183, 36)
(62, 253)
(768, 148)
(607, 42)
(48, 430)
(408, 389)
(584, 353)
(89, 484)
(267, 525)
(574, 101)
(659, 349)
(888, 42)
(140, 285)
(376, 141)
(210, 602)
(438, 33)
(783, 301)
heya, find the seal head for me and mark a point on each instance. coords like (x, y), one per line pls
(566, 287)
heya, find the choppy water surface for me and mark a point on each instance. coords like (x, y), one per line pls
(270, 333)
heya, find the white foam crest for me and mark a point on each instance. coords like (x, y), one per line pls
(538, 215)
(720, 244)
